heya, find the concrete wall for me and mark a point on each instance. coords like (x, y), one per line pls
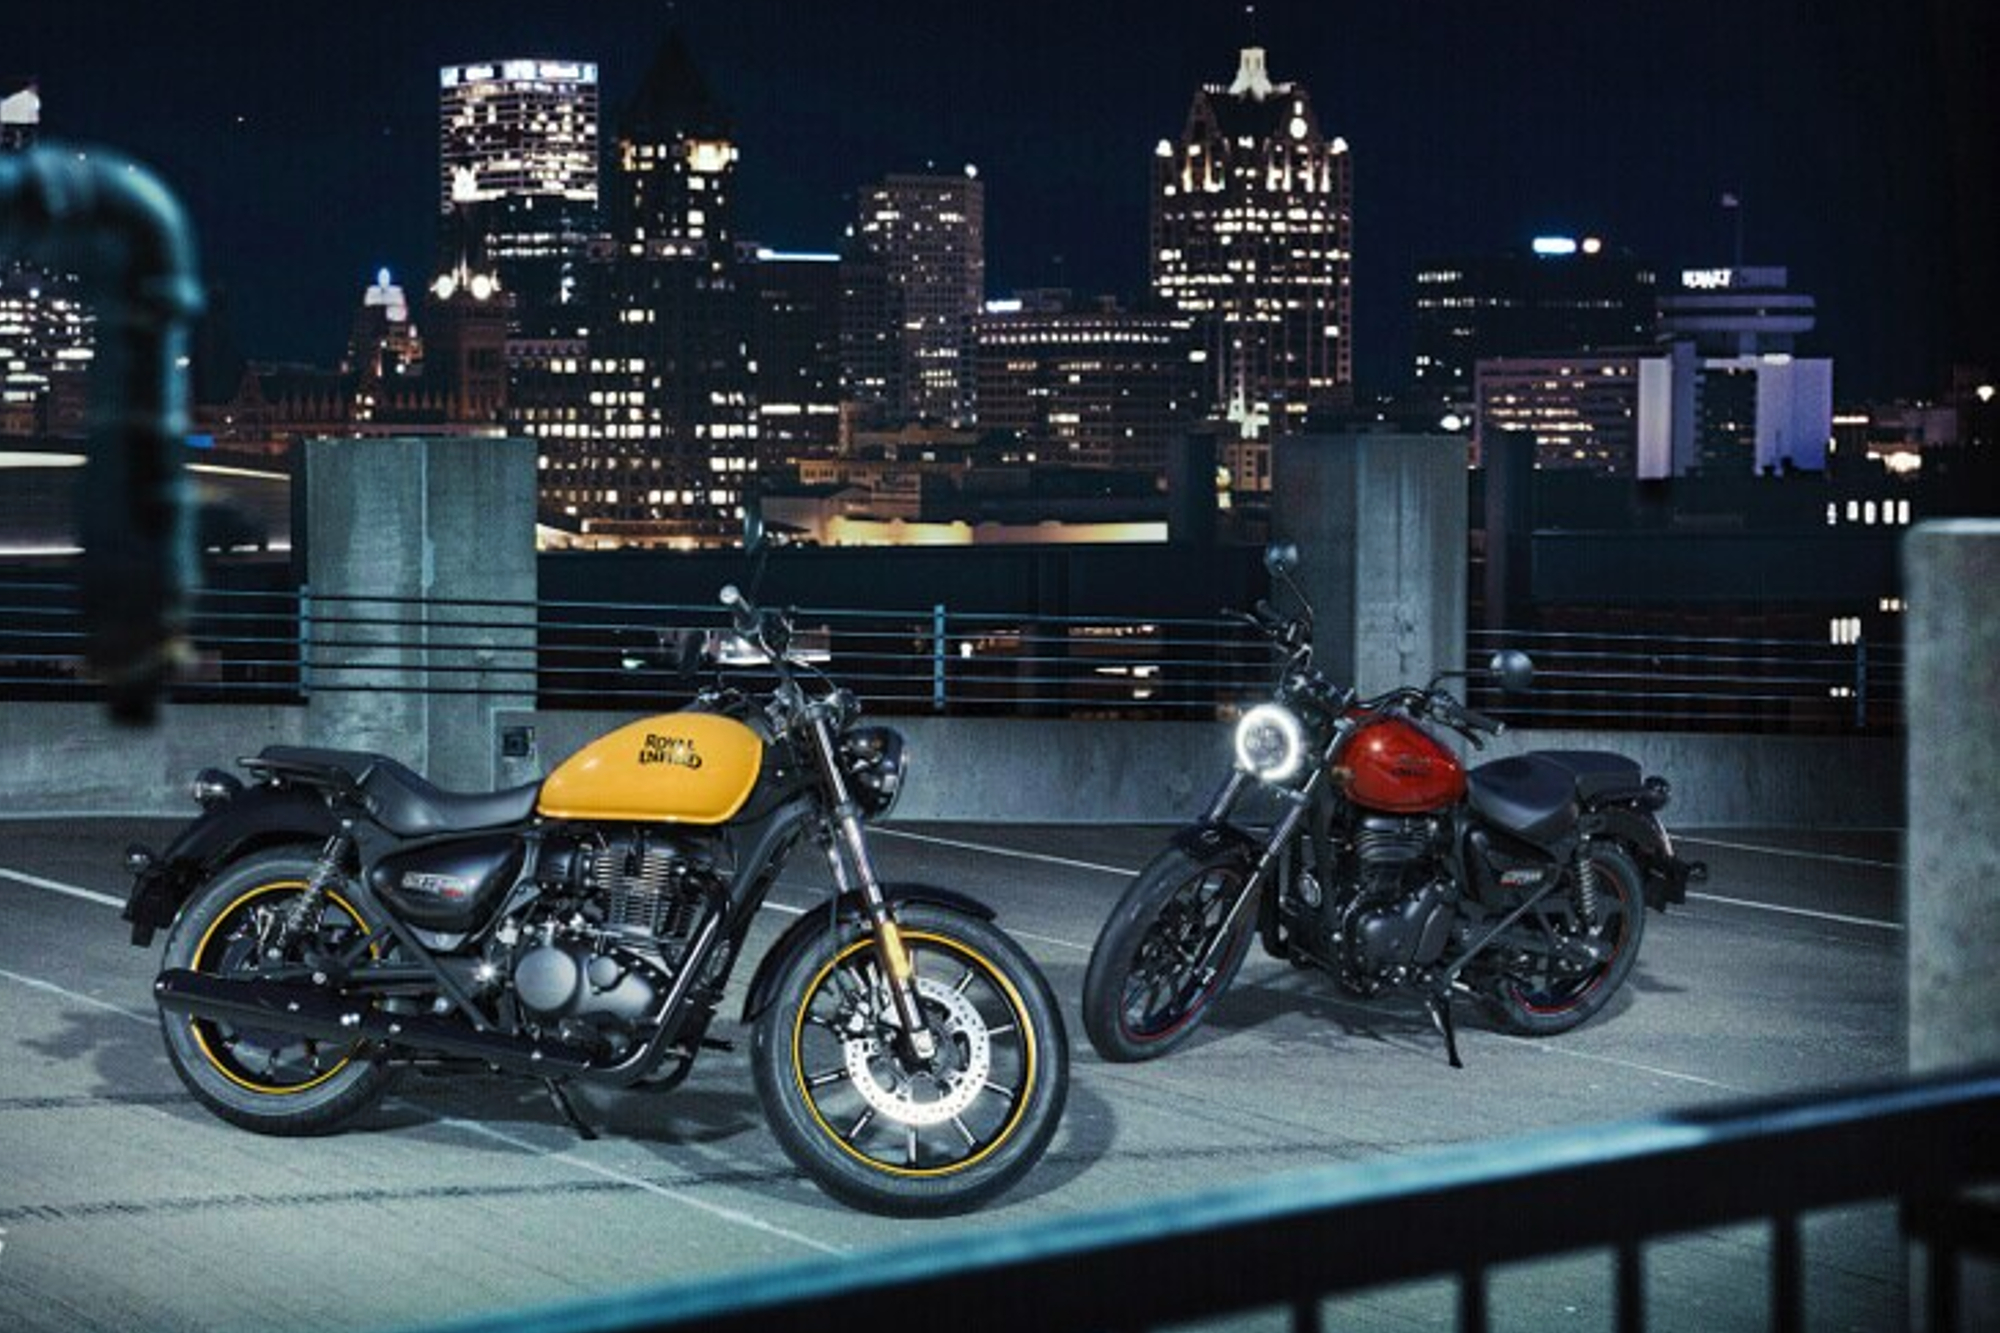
(1380, 522)
(66, 757)
(69, 758)
(442, 518)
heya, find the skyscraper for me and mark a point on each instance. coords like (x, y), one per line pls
(651, 434)
(1252, 233)
(518, 181)
(20, 113)
(1561, 294)
(1091, 384)
(917, 255)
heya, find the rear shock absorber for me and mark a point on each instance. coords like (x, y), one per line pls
(1586, 887)
(303, 915)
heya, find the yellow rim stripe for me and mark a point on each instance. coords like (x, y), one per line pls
(201, 951)
(1014, 1001)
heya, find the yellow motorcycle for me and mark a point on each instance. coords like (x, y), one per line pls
(339, 916)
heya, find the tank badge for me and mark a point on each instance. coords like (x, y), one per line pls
(669, 750)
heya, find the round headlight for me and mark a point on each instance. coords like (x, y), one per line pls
(1270, 743)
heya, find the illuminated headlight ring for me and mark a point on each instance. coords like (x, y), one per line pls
(874, 760)
(1270, 743)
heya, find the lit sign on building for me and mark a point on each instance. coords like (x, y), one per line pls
(1555, 245)
(1707, 279)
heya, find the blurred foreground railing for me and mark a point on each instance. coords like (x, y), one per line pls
(1292, 1242)
(283, 644)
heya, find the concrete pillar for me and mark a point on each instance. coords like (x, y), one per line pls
(1380, 521)
(1951, 710)
(421, 518)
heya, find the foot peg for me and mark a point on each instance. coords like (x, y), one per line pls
(1439, 1005)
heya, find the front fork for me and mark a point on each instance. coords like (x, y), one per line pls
(1297, 801)
(854, 872)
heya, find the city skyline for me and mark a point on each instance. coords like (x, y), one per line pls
(1650, 120)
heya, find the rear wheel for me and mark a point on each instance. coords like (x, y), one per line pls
(1160, 961)
(880, 1130)
(269, 1081)
(1553, 989)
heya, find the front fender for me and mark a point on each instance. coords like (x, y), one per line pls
(806, 928)
(254, 817)
(1205, 839)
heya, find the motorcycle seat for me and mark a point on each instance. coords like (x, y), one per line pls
(402, 800)
(1528, 795)
(1599, 773)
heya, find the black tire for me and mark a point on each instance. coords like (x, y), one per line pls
(1548, 1003)
(824, 1023)
(302, 1087)
(1171, 911)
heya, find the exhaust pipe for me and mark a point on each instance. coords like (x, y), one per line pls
(309, 1011)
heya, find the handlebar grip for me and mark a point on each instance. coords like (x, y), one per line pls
(1479, 720)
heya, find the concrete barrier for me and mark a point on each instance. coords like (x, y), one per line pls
(65, 757)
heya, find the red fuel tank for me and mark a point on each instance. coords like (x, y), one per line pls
(1396, 767)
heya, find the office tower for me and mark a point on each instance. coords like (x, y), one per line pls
(1092, 384)
(1560, 295)
(20, 113)
(45, 329)
(1252, 234)
(650, 436)
(917, 261)
(518, 182)
(795, 342)
(1756, 405)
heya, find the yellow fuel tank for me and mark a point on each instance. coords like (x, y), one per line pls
(681, 768)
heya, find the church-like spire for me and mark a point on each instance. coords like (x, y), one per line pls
(674, 98)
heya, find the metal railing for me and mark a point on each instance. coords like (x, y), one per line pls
(1293, 1242)
(1615, 681)
(283, 644)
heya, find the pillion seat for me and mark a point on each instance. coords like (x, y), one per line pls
(400, 798)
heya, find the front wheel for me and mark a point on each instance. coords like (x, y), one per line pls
(1160, 960)
(876, 1129)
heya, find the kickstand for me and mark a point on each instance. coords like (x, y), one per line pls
(568, 1109)
(1439, 1005)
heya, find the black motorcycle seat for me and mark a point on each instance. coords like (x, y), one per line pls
(1529, 795)
(402, 800)
(1599, 773)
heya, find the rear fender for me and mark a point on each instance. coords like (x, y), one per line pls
(1667, 876)
(253, 818)
(808, 927)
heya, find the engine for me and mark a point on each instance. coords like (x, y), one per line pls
(594, 956)
(1394, 908)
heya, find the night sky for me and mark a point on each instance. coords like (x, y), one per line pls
(303, 136)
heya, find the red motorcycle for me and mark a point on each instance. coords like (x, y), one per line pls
(1521, 883)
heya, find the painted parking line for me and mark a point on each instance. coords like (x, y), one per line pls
(91, 1001)
(625, 1178)
(1810, 912)
(1790, 852)
(57, 886)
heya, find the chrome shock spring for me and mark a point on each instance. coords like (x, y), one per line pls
(303, 914)
(1586, 888)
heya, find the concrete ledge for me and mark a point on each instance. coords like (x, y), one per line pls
(66, 758)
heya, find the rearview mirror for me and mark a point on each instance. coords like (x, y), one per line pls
(1281, 558)
(1514, 669)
